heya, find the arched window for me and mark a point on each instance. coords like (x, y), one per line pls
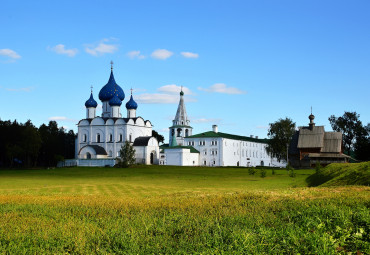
(85, 138)
(110, 137)
(120, 137)
(179, 132)
(186, 132)
(130, 138)
(98, 138)
(173, 132)
(88, 155)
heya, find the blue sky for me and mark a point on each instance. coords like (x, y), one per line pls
(243, 64)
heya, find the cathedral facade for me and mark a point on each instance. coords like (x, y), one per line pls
(100, 138)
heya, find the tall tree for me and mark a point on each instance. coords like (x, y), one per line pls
(127, 155)
(362, 146)
(350, 126)
(280, 134)
(159, 137)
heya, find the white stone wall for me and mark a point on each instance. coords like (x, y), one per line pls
(229, 152)
(110, 133)
(180, 157)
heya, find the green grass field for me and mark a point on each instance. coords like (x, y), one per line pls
(166, 210)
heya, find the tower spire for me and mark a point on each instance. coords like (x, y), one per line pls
(111, 65)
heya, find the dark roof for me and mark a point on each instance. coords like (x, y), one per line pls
(142, 141)
(192, 149)
(98, 149)
(181, 126)
(228, 136)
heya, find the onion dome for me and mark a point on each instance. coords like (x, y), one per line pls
(91, 102)
(115, 101)
(108, 91)
(131, 104)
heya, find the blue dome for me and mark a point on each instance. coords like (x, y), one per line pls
(131, 104)
(107, 92)
(91, 102)
(115, 101)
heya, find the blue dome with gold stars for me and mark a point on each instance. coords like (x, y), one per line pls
(108, 91)
(115, 101)
(131, 104)
(91, 102)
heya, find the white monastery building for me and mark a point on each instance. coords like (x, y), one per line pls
(212, 148)
(100, 138)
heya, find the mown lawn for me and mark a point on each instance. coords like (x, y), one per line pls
(161, 209)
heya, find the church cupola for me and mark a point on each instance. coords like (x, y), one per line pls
(131, 106)
(91, 105)
(108, 92)
(115, 104)
(181, 124)
(311, 117)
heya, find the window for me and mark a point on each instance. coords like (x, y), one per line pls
(98, 138)
(85, 138)
(214, 162)
(205, 162)
(130, 138)
(120, 137)
(179, 132)
(186, 132)
(110, 137)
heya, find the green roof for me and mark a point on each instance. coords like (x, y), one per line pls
(211, 134)
(181, 126)
(192, 150)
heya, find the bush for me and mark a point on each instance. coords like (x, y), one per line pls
(263, 173)
(292, 173)
(251, 171)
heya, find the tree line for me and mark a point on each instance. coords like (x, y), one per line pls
(25, 145)
(356, 136)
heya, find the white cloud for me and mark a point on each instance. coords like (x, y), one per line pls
(9, 53)
(101, 48)
(62, 118)
(135, 54)
(26, 89)
(262, 127)
(174, 89)
(222, 88)
(60, 49)
(161, 54)
(189, 55)
(204, 120)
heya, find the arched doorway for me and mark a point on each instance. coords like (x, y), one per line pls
(262, 163)
(152, 158)
(88, 155)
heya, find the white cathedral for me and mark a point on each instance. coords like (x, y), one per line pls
(100, 138)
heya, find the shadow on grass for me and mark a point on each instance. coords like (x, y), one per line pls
(317, 179)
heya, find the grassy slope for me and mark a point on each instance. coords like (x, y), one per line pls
(178, 210)
(342, 174)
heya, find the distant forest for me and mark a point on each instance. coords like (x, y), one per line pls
(25, 145)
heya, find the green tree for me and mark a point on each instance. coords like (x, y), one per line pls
(362, 146)
(127, 155)
(280, 134)
(351, 127)
(160, 138)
